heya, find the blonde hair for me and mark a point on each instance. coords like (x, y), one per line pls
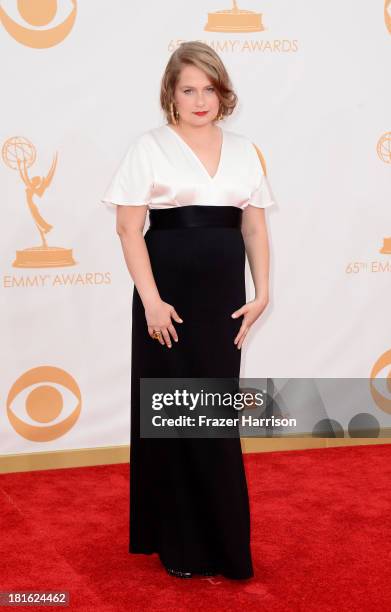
(195, 53)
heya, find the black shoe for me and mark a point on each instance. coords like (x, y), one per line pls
(208, 573)
(179, 573)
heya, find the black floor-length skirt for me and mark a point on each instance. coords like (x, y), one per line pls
(188, 496)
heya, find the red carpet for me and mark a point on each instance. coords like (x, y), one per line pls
(321, 536)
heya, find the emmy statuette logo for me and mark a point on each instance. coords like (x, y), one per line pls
(384, 152)
(238, 30)
(37, 13)
(261, 158)
(19, 154)
(383, 149)
(234, 20)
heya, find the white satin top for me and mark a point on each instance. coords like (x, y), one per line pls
(162, 171)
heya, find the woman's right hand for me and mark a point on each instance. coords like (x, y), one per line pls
(158, 316)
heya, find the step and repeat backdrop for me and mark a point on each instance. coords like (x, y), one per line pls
(80, 81)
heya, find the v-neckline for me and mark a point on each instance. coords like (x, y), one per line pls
(188, 147)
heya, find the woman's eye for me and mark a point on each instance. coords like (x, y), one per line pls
(189, 90)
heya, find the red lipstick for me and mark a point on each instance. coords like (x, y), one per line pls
(201, 114)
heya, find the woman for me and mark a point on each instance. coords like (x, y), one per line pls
(205, 190)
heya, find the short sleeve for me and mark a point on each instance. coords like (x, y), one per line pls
(132, 182)
(262, 195)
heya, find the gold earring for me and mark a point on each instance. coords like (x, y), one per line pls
(220, 115)
(174, 115)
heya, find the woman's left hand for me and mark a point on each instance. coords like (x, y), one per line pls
(251, 311)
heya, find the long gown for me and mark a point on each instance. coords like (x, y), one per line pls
(189, 501)
(188, 498)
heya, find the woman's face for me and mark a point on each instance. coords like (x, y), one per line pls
(194, 92)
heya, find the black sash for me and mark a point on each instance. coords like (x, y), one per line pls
(195, 215)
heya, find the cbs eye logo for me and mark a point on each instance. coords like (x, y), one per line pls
(383, 363)
(55, 20)
(387, 14)
(44, 403)
(364, 425)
